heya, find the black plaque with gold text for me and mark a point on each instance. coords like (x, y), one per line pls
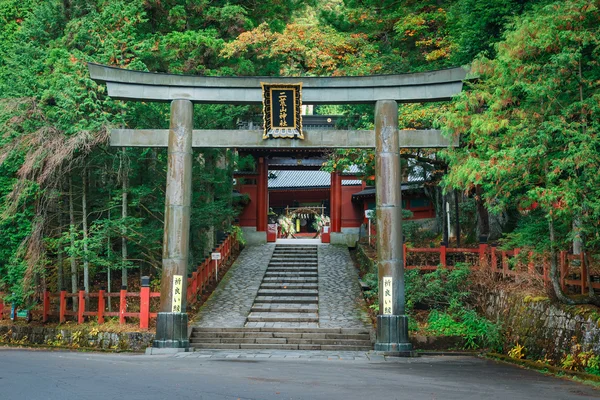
(282, 110)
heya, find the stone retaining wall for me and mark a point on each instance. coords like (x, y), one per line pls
(126, 341)
(544, 328)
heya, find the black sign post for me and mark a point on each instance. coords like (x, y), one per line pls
(282, 111)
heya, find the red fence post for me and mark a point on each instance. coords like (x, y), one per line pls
(194, 285)
(46, 306)
(482, 250)
(62, 306)
(122, 305)
(101, 306)
(1, 307)
(81, 308)
(443, 255)
(145, 303)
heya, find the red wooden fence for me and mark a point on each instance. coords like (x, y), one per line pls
(515, 262)
(196, 283)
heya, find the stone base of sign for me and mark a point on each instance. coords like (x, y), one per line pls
(392, 334)
(348, 237)
(411, 353)
(171, 331)
(254, 238)
(152, 351)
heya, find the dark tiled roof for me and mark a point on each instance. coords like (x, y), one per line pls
(303, 179)
(369, 191)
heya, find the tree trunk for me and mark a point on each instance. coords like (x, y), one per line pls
(483, 218)
(456, 211)
(124, 210)
(86, 263)
(72, 238)
(59, 268)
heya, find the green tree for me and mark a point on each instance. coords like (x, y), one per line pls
(529, 123)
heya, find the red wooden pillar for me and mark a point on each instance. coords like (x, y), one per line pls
(101, 306)
(62, 306)
(46, 308)
(261, 195)
(122, 305)
(1, 307)
(336, 202)
(443, 256)
(144, 307)
(81, 308)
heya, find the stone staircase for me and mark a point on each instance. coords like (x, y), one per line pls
(333, 339)
(289, 293)
(285, 312)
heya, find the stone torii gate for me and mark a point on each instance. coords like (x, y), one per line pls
(385, 91)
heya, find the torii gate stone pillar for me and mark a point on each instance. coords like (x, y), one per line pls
(172, 320)
(182, 91)
(392, 323)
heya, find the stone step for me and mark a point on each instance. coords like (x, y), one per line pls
(282, 317)
(261, 346)
(288, 292)
(295, 254)
(287, 299)
(288, 285)
(292, 265)
(295, 251)
(291, 269)
(291, 279)
(297, 257)
(345, 331)
(308, 325)
(296, 246)
(289, 307)
(288, 335)
(329, 342)
(290, 274)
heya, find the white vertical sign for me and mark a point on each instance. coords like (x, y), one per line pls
(177, 289)
(388, 308)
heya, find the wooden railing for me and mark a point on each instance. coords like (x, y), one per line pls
(516, 263)
(208, 271)
(55, 304)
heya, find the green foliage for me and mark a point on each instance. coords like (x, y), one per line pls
(446, 293)
(477, 331)
(528, 124)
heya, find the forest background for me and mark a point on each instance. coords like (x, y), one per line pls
(72, 208)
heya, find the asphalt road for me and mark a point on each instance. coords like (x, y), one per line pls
(28, 374)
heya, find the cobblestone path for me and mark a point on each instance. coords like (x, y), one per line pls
(341, 303)
(230, 303)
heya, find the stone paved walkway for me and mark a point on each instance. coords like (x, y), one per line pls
(230, 303)
(341, 303)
